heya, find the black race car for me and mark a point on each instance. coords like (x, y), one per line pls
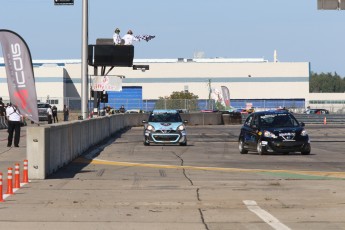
(273, 131)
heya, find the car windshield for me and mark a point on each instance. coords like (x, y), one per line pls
(278, 120)
(165, 117)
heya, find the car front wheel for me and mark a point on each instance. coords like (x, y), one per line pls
(241, 147)
(261, 149)
(306, 151)
(183, 143)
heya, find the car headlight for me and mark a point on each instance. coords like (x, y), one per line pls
(150, 128)
(181, 127)
(269, 134)
(304, 133)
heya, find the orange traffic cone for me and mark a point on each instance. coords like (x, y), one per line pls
(1, 198)
(16, 176)
(325, 121)
(25, 172)
(9, 181)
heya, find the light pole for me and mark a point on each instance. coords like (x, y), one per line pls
(84, 54)
(84, 68)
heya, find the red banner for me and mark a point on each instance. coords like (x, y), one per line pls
(226, 96)
(20, 74)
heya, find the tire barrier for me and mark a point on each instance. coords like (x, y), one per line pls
(3, 122)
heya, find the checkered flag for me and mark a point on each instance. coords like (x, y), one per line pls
(144, 37)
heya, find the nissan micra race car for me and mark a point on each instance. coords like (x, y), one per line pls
(165, 127)
(273, 131)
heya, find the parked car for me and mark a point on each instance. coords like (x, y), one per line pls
(273, 131)
(317, 111)
(42, 111)
(165, 127)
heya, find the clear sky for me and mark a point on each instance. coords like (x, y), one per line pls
(219, 28)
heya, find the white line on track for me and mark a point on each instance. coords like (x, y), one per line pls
(265, 216)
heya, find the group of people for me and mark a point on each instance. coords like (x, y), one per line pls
(15, 120)
(109, 110)
(127, 39)
(52, 114)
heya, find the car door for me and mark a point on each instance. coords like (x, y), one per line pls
(252, 135)
(249, 132)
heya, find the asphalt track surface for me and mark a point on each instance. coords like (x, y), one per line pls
(208, 184)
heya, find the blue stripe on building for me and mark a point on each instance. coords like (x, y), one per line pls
(130, 96)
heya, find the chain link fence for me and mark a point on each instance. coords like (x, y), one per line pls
(196, 105)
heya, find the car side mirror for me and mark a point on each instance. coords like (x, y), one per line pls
(185, 121)
(144, 121)
(302, 124)
(254, 126)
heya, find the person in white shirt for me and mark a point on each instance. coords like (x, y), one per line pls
(129, 38)
(14, 118)
(117, 38)
(50, 114)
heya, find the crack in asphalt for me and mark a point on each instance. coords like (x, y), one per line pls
(197, 190)
(184, 170)
(202, 219)
(198, 194)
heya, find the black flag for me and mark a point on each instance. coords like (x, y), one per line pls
(20, 74)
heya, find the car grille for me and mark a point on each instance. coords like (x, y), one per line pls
(287, 136)
(157, 137)
(166, 131)
(288, 145)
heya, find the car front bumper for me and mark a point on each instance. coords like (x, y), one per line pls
(165, 138)
(286, 146)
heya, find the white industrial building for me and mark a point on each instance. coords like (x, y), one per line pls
(59, 81)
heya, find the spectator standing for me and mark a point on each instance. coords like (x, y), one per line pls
(107, 110)
(14, 118)
(129, 38)
(50, 114)
(122, 109)
(55, 117)
(117, 38)
(2, 108)
(65, 113)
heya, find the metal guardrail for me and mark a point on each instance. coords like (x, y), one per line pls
(315, 118)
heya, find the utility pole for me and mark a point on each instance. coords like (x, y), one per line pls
(84, 70)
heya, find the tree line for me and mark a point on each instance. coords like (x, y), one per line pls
(326, 83)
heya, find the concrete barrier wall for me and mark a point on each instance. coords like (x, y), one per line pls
(50, 147)
(202, 118)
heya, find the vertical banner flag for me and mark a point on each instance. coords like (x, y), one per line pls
(20, 74)
(226, 96)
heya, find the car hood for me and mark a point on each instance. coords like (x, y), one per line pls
(165, 125)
